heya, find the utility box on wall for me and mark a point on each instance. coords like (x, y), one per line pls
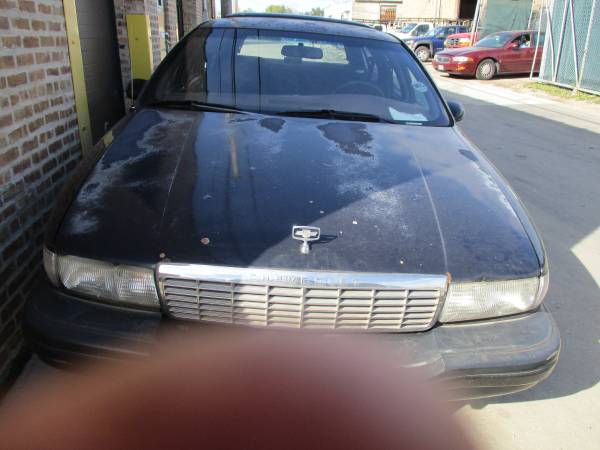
(140, 45)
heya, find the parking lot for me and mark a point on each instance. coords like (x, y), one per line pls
(550, 153)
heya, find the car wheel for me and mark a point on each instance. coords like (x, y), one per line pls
(422, 53)
(486, 70)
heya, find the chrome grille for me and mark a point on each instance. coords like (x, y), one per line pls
(279, 298)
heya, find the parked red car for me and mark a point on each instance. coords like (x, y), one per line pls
(499, 53)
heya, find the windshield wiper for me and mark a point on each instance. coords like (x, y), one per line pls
(335, 114)
(196, 106)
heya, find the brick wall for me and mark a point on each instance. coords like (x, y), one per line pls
(193, 14)
(38, 146)
(171, 26)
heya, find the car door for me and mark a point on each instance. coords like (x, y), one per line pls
(438, 41)
(516, 55)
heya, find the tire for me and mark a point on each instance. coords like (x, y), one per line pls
(486, 70)
(423, 53)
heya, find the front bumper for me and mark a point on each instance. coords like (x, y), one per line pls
(464, 68)
(477, 359)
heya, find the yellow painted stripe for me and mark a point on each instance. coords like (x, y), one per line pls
(140, 45)
(76, 59)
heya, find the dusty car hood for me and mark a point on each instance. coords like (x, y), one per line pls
(226, 189)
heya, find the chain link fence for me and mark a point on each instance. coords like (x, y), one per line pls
(572, 44)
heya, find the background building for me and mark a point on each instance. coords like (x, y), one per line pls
(396, 11)
(64, 66)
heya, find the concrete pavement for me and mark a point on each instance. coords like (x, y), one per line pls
(552, 160)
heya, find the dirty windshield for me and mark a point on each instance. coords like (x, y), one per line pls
(277, 72)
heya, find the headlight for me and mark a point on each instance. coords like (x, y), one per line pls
(486, 299)
(103, 281)
(462, 59)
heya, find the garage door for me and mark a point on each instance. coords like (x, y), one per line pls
(101, 66)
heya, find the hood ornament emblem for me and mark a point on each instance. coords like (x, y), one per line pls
(306, 235)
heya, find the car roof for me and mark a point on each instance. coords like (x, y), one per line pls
(298, 23)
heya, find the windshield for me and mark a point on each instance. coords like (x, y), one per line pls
(407, 28)
(496, 40)
(278, 72)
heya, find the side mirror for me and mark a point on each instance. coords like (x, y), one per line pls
(457, 111)
(135, 87)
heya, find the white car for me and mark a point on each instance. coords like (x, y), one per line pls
(412, 29)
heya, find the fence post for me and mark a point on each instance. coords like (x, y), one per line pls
(574, 37)
(560, 40)
(587, 44)
(537, 42)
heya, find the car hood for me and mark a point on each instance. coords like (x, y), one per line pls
(226, 189)
(460, 51)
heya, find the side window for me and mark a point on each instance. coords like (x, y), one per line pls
(450, 30)
(422, 29)
(524, 41)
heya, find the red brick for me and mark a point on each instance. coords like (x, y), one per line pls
(32, 126)
(7, 4)
(53, 71)
(41, 106)
(54, 26)
(42, 58)
(25, 60)
(52, 117)
(5, 121)
(16, 80)
(58, 56)
(65, 69)
(11, 41)
(17, 134)
(14, 99)
(27, 5)
(21, 166)
(23, 113)
(29, 145)
(2, 82)
(49, 165)
(4, 23)
(37, 75)
(31, 41)
(47, 41)
(20, 23)
(39, 156)
(38, 25)
(32, 177)
(9, 155)
(7, 62)
(54, 147)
